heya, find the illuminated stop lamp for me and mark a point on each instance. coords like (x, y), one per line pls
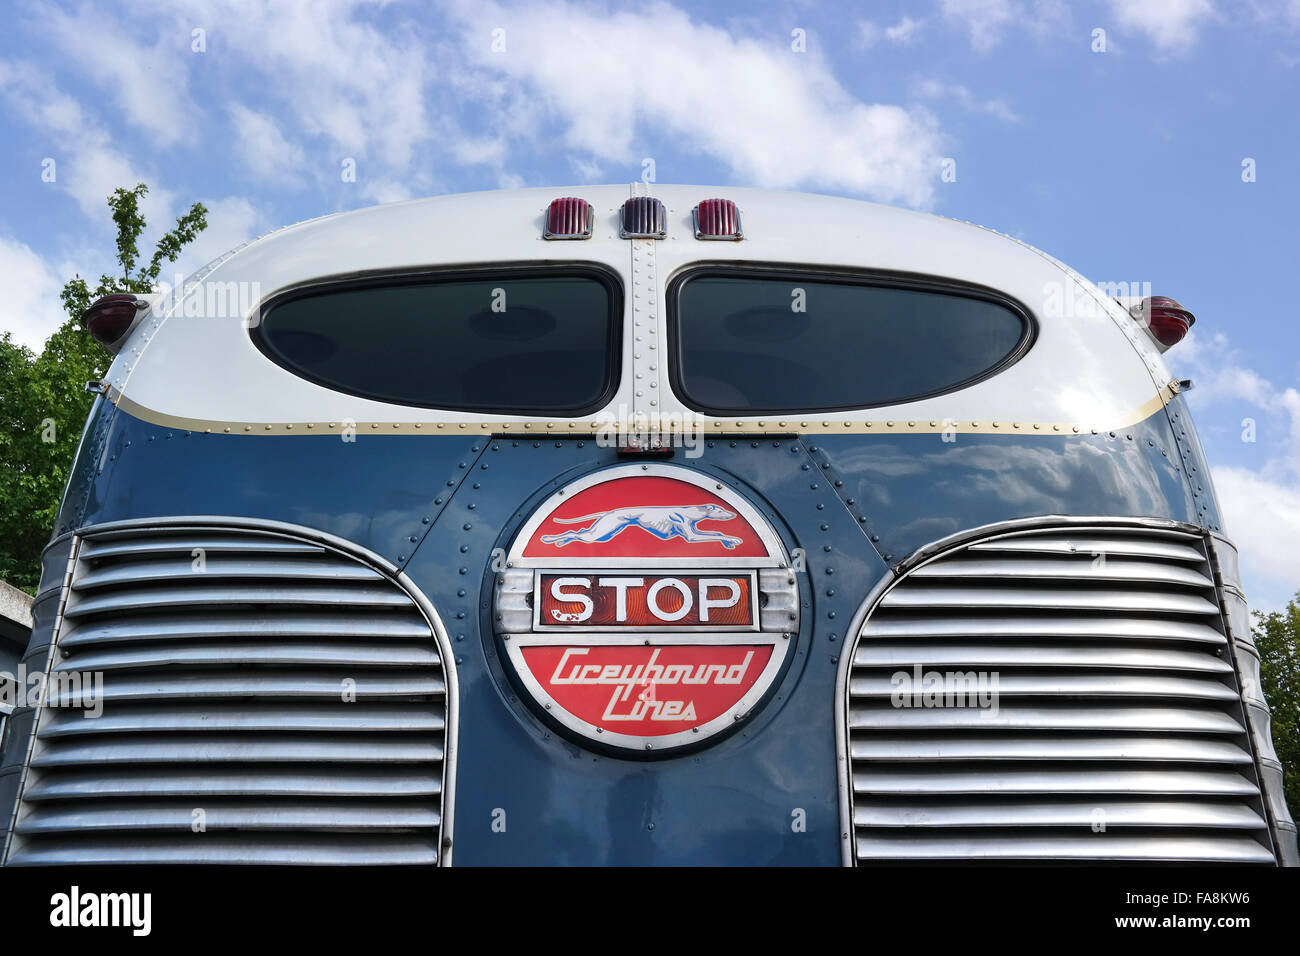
(111, 317)
(1164, 318)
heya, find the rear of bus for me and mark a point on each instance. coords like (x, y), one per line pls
(662, 525)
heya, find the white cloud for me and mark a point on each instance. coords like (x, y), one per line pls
(88, 164)
(359, 87)
(901, 33)
(988, 21)
(954, 92)
(772, 117)
(30, 307)
(1170, 24)
(148, 81)
(401, 99)
(985, 20)
(904, 31)
(1261, 507)
(479, 151)
(586, 170)
(263, 149)
(1262, 517)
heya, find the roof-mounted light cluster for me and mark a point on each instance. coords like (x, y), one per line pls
(642, 217)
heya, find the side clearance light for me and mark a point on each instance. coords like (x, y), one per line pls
(717, 219)
(1164, 318)
(644, 218)
(110, 317)
(568, 218)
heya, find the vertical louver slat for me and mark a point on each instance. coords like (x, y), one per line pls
(1052, 694)
(265, 699)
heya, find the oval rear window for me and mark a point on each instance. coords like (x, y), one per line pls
(748, 342)
(525, 342)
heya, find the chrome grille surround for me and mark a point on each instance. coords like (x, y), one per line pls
(1237, 617)
(1121, 733)
(288, 698)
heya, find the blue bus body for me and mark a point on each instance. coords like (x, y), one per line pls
(803, 778)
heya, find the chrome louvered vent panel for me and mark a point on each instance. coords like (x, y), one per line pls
(1116, 731)
(266, 699)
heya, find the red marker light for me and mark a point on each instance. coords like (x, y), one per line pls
(110, 317)
(1166, 320)
(568, 218)
(644, 218)
(717, 219)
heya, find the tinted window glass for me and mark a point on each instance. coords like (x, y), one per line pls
(749, 344)
(519, 344)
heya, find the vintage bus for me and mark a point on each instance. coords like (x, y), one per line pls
(640, 525)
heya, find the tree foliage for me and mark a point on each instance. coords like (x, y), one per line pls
(43, 398)
(1277, 635)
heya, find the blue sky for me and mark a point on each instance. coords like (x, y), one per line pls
(1125, 163)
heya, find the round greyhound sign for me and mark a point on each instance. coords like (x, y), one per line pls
(647, 607)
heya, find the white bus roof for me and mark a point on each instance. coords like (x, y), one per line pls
(1090, 367)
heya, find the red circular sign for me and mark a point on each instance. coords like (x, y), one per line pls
(647, 607)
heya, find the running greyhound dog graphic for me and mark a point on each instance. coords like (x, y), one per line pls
(662, 521)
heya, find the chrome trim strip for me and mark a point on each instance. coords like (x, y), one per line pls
(843, 762)
(1245, 657)
(451, 735)
(1046, 522)
(593, 424)
(207, 522)
(50, 655)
